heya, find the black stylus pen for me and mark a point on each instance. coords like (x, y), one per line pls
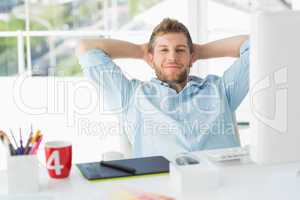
(118, 167)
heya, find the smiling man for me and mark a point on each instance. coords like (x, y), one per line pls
(173, 112)
(171, 58)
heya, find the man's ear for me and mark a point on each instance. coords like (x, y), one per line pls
(150, 59)
(193, 58)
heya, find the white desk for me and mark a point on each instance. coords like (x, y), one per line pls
(245, 181)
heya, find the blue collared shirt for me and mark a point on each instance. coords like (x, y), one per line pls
(158, 120)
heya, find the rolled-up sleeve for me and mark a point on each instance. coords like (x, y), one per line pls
(236, 78)
(114, 88)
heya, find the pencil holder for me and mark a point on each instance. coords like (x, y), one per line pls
(22, 174)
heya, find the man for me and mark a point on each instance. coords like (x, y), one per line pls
(173, 112)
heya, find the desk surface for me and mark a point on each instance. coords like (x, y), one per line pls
(238, 181)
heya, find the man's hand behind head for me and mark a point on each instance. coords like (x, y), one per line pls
(145, 49)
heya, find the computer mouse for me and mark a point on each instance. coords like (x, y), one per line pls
(186, 160)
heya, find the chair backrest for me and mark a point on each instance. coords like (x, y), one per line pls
(125, 145)
(236, 129)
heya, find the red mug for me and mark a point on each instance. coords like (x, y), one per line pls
(58, 158)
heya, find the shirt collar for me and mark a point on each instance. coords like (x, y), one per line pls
(192, 80)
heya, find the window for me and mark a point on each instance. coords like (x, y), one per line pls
(39, 36)
(8, 56)
(222, 22)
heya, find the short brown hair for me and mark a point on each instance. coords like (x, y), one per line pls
(170, 26)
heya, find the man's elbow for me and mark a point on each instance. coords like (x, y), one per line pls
(82, 47)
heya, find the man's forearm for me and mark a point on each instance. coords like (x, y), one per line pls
(114, 48)
(228, 47)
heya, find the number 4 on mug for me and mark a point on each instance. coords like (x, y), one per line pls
(53, 163)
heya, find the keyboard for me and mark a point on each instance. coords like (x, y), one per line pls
(228, 153)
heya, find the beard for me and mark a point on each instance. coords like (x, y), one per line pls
(177, 78)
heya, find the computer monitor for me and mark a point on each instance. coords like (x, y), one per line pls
(275, 87)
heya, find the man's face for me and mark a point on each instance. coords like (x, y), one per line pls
(171, 58)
